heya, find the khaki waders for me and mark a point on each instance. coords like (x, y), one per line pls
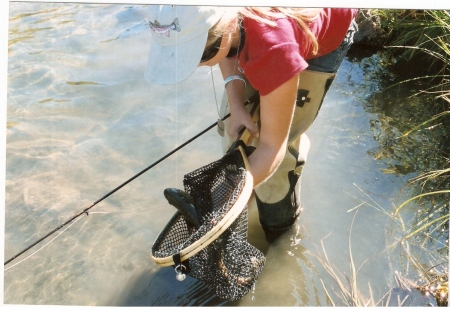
(278, 198)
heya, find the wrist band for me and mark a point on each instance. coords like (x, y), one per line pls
(234, 77)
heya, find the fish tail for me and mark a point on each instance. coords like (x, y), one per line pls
(177, 25)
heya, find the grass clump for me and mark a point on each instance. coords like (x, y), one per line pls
(420, 42)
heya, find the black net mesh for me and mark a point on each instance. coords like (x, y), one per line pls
(229, 266)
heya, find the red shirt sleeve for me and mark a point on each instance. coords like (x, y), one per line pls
(273, 55)
(270, 56)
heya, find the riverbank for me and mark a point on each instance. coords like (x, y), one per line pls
(413, 132)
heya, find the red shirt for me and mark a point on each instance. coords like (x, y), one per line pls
(273, 55)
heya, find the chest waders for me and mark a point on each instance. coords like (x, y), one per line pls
(278, 199)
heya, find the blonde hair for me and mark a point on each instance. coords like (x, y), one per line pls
(266, 15)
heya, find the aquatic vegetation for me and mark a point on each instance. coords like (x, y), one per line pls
(414, 137)
(432, 271)
(348, 290)
(349, 293)
(411, 123)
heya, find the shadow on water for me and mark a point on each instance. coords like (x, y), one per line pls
(411, 141)
(162, 289)
(397, 108)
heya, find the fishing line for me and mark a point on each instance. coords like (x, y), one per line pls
(133, 211)
(96, 212)
(42, 246)
(214, 89)
(85, 211)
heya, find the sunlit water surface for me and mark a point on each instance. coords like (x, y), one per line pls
(82, 120)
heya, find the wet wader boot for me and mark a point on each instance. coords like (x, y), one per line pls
(278, 198)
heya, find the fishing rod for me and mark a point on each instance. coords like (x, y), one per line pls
(85, 211)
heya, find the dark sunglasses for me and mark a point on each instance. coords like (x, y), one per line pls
(212, 51)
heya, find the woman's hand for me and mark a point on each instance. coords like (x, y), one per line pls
(240, 118)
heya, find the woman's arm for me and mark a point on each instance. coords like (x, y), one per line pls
(276, 111)
(240, 117)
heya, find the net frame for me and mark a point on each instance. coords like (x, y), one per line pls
(217, 252)
(211, 235)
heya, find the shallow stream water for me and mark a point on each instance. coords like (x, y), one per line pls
(82, 120)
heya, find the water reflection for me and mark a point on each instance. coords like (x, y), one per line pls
(413, 137)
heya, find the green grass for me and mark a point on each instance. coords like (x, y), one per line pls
(422, 39)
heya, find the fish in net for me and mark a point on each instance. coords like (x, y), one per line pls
(207, 237)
